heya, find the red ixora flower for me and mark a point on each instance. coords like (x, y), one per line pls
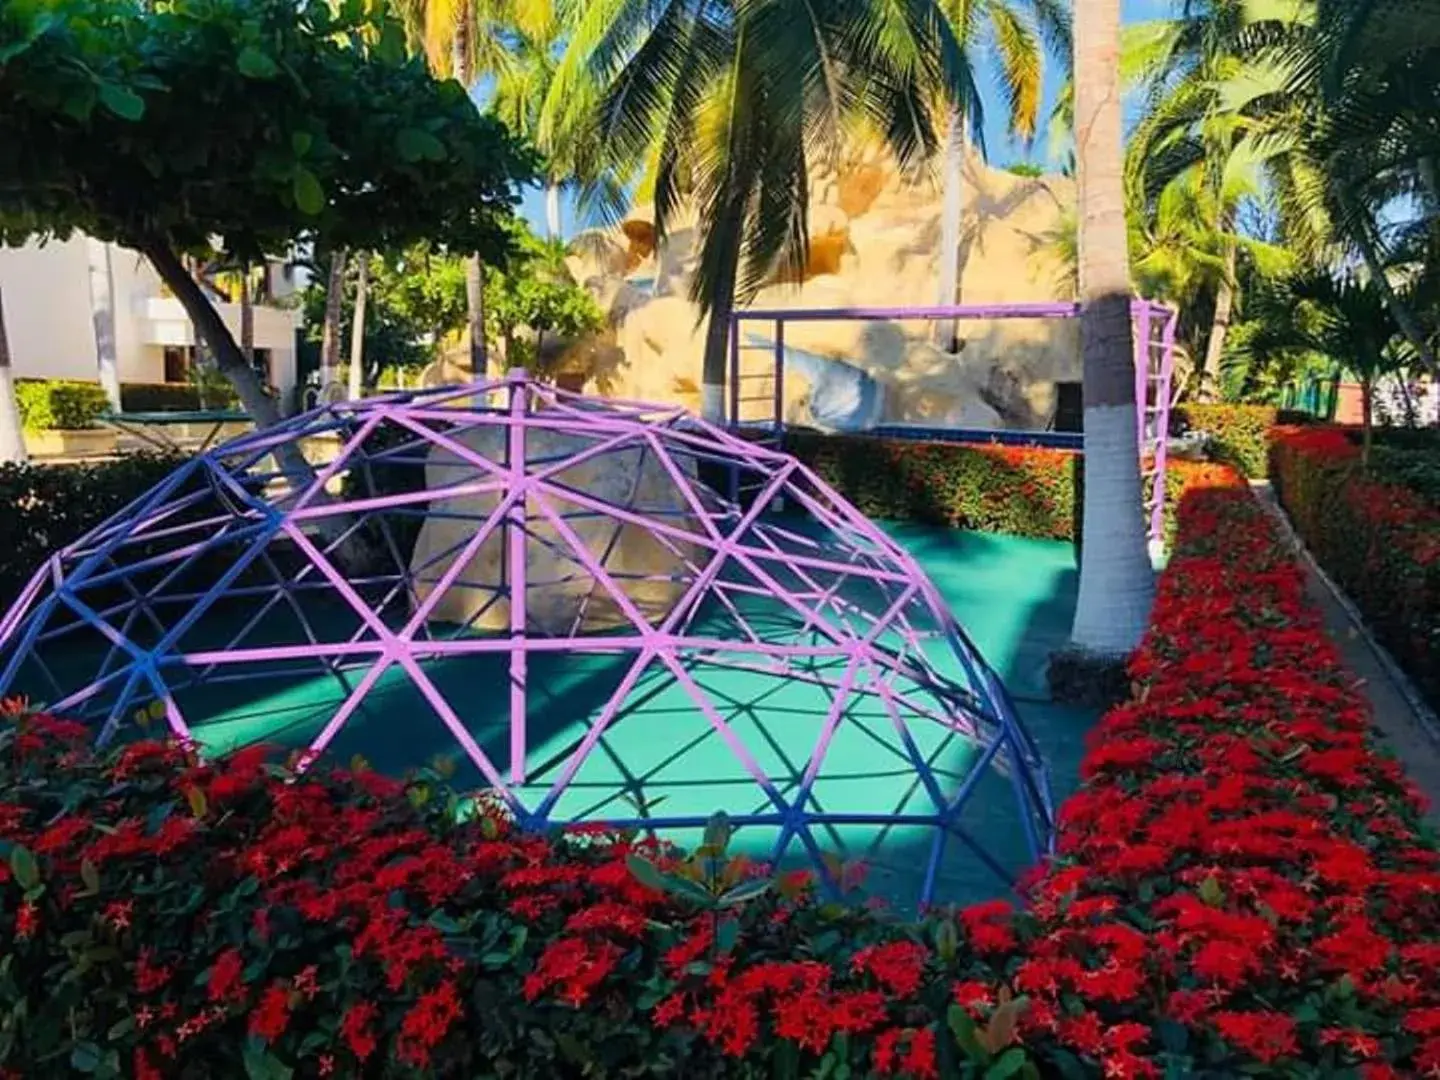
(270, 1018)
(1267, 1036)
(898, 966)
(356, 1030)
(227, 976)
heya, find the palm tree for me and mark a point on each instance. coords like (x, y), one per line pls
(742, 100)
(1201, 73)
(1116, 581)
(102, 315)
(1364, 126)
(12, 437)
(1338, 315)
(1013, 38)
(458, 38)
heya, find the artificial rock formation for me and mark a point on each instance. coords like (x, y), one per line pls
(561, 595)
(874, 242)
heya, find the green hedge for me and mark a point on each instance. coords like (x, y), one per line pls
(159, 397)
(59, 404)
(47, 507)
(1020, 490)
(1380, 541)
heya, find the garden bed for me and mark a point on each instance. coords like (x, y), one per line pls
(1241, 889)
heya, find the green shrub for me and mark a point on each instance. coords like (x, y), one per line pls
(159, 397)
(47, 507)
(1237, 432)
(59, 404)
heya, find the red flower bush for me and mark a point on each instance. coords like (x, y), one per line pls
(1379, 541)
(1241, 889)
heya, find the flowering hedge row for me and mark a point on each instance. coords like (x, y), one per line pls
(1380, 541)
(1240, 891)
(1022, 490)
(1238, 433)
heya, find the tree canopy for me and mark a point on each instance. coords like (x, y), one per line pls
(261, 122)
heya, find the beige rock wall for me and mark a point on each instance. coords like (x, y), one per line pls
(875, 242)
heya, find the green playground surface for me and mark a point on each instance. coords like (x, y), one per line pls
(660, 757)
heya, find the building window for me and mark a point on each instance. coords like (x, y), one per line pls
(177, 364)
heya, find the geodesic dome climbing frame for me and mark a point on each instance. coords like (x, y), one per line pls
(458, 555)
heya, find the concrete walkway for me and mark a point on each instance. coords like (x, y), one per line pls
(1403, 721)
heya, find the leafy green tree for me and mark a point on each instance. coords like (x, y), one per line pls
(737, 101)
(260, 124)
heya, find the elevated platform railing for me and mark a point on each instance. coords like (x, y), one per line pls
(756, 399)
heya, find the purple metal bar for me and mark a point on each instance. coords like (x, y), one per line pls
(515, 544)
(780, 369)
(845, 612)
(1162, 425)
(1141, 362)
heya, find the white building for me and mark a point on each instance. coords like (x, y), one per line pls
(47, 296)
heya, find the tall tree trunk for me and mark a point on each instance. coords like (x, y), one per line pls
(357, 329)
(474, 267)
(247, 316)
(475, 320)
(552, 210)
(12, 436)
(102, 315)
(1219, 328)
(717, 332)
(951, 216)
(330, 332)
(1117, 584)
(1367, 418)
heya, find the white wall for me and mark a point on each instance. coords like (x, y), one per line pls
(46, 293)
(47, 315)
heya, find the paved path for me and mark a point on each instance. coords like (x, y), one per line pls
(1404, 724)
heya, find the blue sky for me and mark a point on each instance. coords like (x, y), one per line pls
(1002, 150)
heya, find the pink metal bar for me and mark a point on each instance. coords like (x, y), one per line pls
(515, 543)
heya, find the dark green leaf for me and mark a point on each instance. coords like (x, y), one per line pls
(415, 144)
(746, 890)
(122, 101)
(1007, 1064)
(725, 936)
(89, 875)
(645, 872)
(310, 198)
(254, 64)
(85, 1057)
(300, 142)
(22, 865)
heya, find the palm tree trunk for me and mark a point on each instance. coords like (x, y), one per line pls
(717, 331)
(330, 332)
(474, 267)
(1117, 584)
(1219, 328)
(357, 329)
(951, 214)
(12, 436)
(1404, 317)
(102, 315)
(552, 210)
